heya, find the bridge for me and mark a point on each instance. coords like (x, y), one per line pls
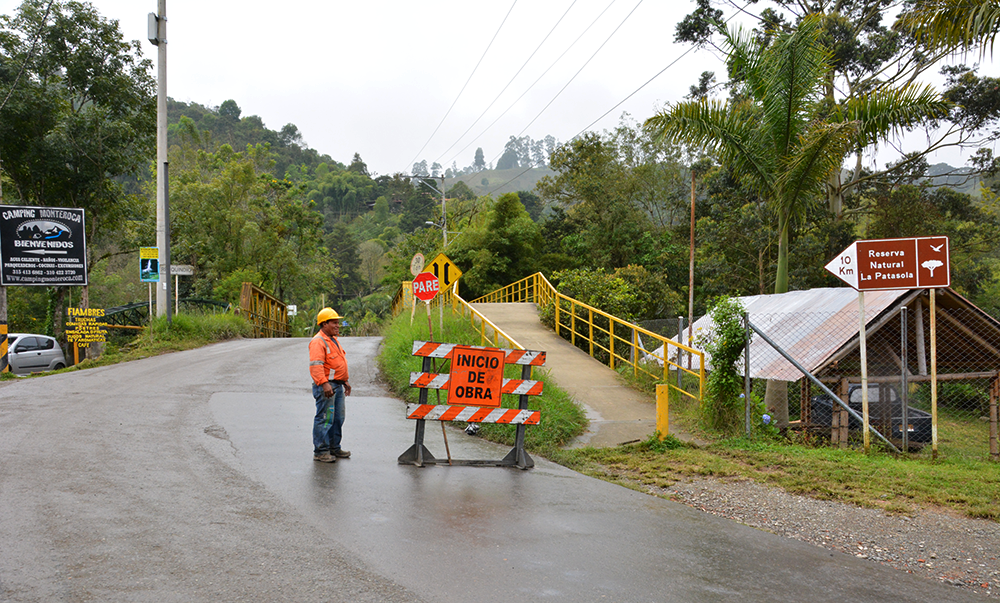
(618, 413)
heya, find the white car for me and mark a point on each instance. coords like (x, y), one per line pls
(29, 353)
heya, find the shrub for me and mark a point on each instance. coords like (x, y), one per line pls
(723, 407)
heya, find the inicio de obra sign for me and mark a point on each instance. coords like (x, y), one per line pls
(914, 263)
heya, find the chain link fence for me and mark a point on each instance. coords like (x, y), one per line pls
(904, 349)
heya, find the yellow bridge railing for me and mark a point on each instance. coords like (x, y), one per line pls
(267, 313)
(614, 341)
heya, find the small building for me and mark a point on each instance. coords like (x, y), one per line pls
(820, 329)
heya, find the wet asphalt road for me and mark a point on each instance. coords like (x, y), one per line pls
(189, 477)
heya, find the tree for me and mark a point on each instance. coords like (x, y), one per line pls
(479, 163)
(611, 187)
(289, 135)
(508, 160)
(78, 116)
(358, 166)
(371, 256)
(778, 134)
(503, 250)
(231, 218)
(230, 109)
(951, 24)
(866, 55)
(461, 190)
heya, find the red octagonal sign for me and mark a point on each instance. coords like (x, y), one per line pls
(426, 286)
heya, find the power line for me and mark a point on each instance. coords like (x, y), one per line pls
(464, 86)
(618, 104)
(528, 60)
(518, 99)
(650, 80)
(582, 67)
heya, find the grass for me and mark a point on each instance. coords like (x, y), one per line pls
(186, 332)
(962, 479)
(896, 484)
(562, 420)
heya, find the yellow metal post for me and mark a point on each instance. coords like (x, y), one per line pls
(590, 322)
(611, 339)
(662, 410)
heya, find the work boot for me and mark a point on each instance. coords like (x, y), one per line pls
(324, 457)
(340, 453)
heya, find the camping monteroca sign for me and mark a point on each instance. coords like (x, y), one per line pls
(42, 246)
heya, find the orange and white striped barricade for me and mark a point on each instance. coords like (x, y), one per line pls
(474, 382)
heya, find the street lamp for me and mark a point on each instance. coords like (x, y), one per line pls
(445, 232)
(444, 209)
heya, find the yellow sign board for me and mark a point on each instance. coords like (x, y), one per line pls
(446, 271)
(407, 293)
(85, 326)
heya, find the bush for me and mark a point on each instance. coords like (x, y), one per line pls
(723, 406)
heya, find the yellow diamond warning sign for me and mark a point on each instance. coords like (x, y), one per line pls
(445, 270)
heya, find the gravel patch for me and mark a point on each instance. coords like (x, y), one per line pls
(935, 544)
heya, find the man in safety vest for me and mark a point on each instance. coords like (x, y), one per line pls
(328, 368)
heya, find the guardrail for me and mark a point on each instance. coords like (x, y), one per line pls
(613, 341)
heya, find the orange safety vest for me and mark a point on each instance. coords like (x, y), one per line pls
(327, 361)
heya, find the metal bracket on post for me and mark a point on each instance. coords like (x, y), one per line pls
(518, 456)
(418, 454)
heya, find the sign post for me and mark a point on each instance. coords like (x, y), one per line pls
(886, 264)
(179, 270)
(447, 274)
(149, 270)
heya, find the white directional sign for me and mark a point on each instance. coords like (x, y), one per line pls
(915, 263)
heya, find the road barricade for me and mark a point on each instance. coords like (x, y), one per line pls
(477, 382)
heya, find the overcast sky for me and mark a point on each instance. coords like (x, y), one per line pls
(377, 77)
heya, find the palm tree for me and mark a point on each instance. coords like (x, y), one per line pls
(955, 23)
(782, 136)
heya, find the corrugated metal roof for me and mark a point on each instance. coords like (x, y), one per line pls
(809, 325)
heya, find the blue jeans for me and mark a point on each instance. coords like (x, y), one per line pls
(329, 420)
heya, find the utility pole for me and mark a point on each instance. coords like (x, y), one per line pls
(444, 215)
(158, 37)
(444, 209)
(691, 271)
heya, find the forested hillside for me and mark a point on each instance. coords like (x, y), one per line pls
(606, 215)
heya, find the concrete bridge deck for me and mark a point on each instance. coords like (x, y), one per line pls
(618, 414)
